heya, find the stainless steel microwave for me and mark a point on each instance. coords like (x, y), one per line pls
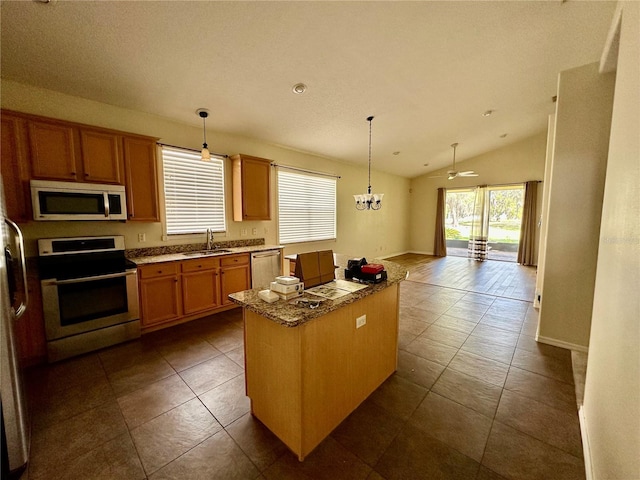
(77, 201)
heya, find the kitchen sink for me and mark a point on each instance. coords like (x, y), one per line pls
(204, 253)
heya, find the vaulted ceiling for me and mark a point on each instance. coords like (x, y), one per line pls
(426, 70)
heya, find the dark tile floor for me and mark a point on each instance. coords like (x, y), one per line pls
(474, 396)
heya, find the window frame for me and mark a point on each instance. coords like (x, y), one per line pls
(192, 157)
(306, 182)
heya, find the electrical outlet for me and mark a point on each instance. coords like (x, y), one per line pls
(254, 231)
(142, 237)
(243, 232)
(361, 321)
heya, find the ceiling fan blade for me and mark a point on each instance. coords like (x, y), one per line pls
(452, 176)
(468, 174)
(436, 176)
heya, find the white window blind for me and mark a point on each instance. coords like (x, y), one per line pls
(306, 207)
(193, 192)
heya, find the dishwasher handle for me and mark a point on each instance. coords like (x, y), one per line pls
(265, 254)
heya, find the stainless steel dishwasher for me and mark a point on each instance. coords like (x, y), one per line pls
(265, 267)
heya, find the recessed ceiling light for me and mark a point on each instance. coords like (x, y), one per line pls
(299, 88)
(487, 113)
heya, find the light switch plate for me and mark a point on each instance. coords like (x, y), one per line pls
(361, 321)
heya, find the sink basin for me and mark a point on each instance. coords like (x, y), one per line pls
(204, 253)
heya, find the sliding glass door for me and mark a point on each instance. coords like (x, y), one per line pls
(503, 213)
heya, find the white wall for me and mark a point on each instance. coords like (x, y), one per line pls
(581, 139)
(516, 163)
(371, 234)
(612, 392)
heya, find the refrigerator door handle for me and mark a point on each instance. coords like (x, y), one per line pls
(23, 264)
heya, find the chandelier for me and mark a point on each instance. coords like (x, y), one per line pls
(369, 201)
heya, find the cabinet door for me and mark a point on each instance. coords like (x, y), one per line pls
(142, 191)
(101, 157)
(53, 151)
(251, 188)
(234, 279)
(160, 299)
(200, 291)
(13, 154)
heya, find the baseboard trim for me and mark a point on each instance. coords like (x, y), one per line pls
(562, 344)
(384, 257)
(586, 449)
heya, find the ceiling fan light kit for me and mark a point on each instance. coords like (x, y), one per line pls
(453, 173)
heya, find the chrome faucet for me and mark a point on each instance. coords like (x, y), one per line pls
(210, 244)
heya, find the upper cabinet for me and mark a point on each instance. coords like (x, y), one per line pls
(35, 147)
(13, 161)
(140, 170)
(53, 151)
(101, 157)
(251, 188)
(62, 151)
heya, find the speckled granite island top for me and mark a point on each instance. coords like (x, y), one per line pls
(290, 315)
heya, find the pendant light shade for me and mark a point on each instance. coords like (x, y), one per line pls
(204, 113)
(369, 201)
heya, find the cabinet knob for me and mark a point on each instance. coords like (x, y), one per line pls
(86, 174)
(73, 173)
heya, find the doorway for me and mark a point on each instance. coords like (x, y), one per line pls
(504, 213)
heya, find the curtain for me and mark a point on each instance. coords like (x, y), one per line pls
(479, 234)
(526, 247)
(440, 243)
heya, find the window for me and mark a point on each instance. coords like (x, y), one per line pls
(193, 192)
(504, 212)
(306, 207)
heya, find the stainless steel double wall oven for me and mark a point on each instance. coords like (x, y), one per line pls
(89, 294)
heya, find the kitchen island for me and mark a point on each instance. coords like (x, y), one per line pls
(307, 368)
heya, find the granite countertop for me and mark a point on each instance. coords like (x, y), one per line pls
(290, 315)
(176, 256)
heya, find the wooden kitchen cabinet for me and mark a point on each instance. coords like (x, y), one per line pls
(235, 275)
(160, 293)
(175, 292)
(200, 285)
(68, 152)
(141, 179)
(251, 188)
(101, 157)
(13, 163)
(53, 151)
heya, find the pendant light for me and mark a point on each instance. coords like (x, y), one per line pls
(369, 201)
(204, 113)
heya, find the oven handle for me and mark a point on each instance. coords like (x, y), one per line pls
(23, 305)
(88, 279)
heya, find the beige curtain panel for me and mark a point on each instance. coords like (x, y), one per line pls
(440, 243)
(526, 247)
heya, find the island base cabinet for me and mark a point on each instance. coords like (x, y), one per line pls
(304, 381)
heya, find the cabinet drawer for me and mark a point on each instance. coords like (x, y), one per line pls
(158, 270)
(228, 260)
(200, 264)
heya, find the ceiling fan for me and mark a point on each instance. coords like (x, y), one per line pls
(453, 173)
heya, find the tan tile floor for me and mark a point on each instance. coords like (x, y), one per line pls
(474, 396)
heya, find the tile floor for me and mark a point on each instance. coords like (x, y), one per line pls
(474, 397)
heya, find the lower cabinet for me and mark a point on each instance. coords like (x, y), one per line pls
(200, 285)
(160, 296)
(177, 291)
(235, 274)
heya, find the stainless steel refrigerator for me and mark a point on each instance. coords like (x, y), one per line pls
(13, 302)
